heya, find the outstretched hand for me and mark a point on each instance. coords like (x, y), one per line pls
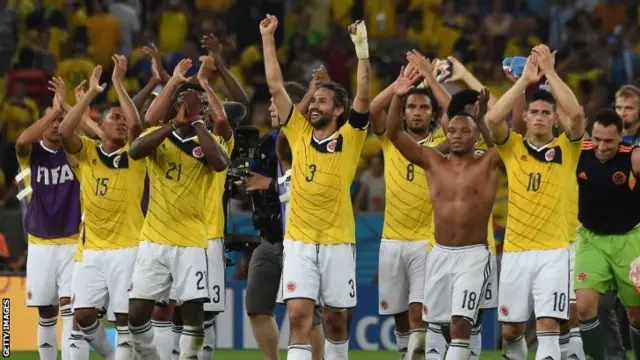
(180, 71)
(531, 72)
(207, 67)
(319, 75)
(481, 106)
(546, 58)
(156, 61)
(94, 81)
(119, 68)
(57, 85)
(420, 63)
(403, 84)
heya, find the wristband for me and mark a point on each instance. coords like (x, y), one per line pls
(193, 123)
(360, 41)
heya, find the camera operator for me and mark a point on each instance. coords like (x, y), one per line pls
(269, 197)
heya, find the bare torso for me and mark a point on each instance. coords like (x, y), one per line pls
(462, 192)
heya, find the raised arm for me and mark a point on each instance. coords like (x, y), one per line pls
(564, 96)
(320, 75)
(358, 33)
(281, 99)
(146, 144)
(71, 141)
(87, 126)
(129, 109)
(221, 126)
(425, 67)
(496, 117)
(480, 111)
(34, 132)
(215, 154)
(236, 92)
(383, 99)
(156, 110)
(461, 73)
(141, 97)
(409, 148)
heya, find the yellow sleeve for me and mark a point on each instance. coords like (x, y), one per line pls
(226, 144)
(506, 150)
(87, 143)
(296, 126)
(149, 130)
(571, 148)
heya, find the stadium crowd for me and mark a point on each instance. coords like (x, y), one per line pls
(57, 48)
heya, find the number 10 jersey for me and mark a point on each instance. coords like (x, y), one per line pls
(179, 179)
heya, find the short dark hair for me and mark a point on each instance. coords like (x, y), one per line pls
(460, 100)
(435, 106)
(541, 95)
(607, 117)
(340, 99)
(295, 90)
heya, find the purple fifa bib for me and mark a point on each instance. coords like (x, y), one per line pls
(54, 209)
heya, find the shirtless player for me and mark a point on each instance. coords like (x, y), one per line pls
(460, 260)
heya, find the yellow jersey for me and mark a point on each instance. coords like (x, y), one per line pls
(322, 172)
(16, 117)
(213, 205)
(73, 72)
(178, 182)
(111, 188)
(408, 210)
(539, 180)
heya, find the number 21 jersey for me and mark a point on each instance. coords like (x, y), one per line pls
(178, 181)
(539, 192)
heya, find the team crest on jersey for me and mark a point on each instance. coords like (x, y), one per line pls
(550, 154)
(384, 305)
(582, 277)
(479, 152)
(619, 178)
(291, 286)
(197, 152)
(331, 146)
(116, 161)
(504, 311)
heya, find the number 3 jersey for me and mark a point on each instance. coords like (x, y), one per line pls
(111, 187)
(540, 181)
(179, 179)
(320, 210)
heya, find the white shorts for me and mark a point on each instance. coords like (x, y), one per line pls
(159, 267)
(104, 276)
(326, 271)
(217, 264)
(572, 261)
(106, 308)
(49, 273)
(455, 282)
(490, 298)
(401, 268)
(536, 280)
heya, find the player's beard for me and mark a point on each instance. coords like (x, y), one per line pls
(322, 122)
(629, 125)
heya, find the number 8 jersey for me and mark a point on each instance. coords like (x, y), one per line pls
(320, 210)
(539, 191)
(111, 186)
(179, 179)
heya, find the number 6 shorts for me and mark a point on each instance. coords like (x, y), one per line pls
(160, 267)
(456, 279)
(317, 270)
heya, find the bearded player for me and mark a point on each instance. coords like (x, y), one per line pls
(112, 185)
(460, 261)
(539, 169)
(318, 246)
(182, 158)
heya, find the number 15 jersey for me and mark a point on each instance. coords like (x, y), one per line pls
(179, 178)
(322, 172)
(539, 192)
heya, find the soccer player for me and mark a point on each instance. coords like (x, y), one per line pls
(111, 183)
(539, 168)
(407, 219)
(609, 238)
(318, 246)
(52, 222)
(182, 157)
(627, 104)
(462, 206)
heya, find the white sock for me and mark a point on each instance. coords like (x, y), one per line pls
(142, 337)
(458, 350)
(191, 342)
(436, 344)
(176, 333)
(563, 340)
(97, 338)
(301, 352)
(548, 345)
(163, 338)
(475, 343)
(124, 345)
(402, 340)
(67, 326)
(516, 349)
(209, 345)
(416, 343)
(336, 350)
(576, 351)
(78, 346)
(47, 338)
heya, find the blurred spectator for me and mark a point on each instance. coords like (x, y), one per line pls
(371, 194)
(498, 22)
(172, 21)
(559, 14)
(8, 37)
(75, 69)
(610, 13)
(44, 59)
(623, 62)
(126, 14)
(104, 35)
(190, 50)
